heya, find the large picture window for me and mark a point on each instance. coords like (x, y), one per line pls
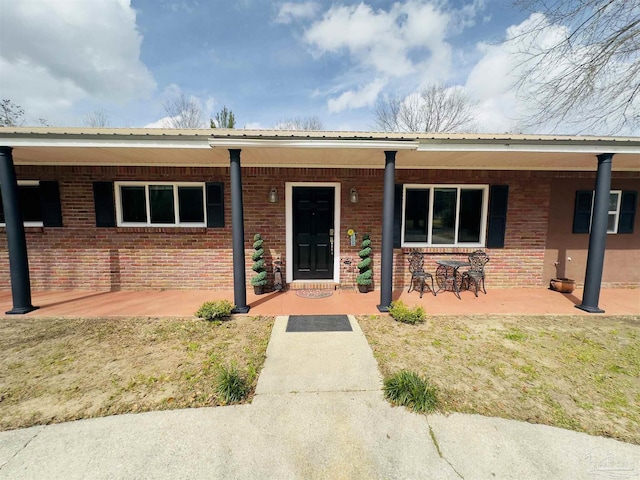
(444, 215)
(30, 204)
(160, 204)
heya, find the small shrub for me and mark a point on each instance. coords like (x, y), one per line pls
(232, 386)
(411, 390)
(215, 310)
(365, 276)
(402, 313)
(260, 279)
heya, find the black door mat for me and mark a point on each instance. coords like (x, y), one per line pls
(318, 323)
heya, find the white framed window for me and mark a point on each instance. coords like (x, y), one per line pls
(160, 204)
(30, 204)
(615, 199)
(444, 215)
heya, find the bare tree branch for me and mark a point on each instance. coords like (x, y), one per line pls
(11, 115)
(97, 119)
(588, 75)
(433, 109)
(310, 124)
(184, 113)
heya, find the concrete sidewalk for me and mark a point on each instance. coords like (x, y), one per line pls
(318, 413)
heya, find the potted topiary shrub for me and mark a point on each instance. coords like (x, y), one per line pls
(365, 277)
(260, 280)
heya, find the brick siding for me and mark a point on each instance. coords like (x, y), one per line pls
(81, 256)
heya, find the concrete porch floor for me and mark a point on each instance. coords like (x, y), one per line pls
(522, 301)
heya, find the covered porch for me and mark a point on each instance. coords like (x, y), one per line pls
(158, 303)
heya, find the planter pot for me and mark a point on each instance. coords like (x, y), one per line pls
(258, 289)
(562, 285)
(363, 288)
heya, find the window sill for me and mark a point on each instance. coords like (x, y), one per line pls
(164, 230)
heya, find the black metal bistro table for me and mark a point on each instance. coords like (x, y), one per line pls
(447, 275)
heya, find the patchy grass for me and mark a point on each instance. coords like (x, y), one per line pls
(576, 372)
(56, 370)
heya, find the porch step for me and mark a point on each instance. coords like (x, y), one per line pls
(311, 285)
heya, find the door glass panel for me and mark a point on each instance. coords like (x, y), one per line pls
(191, 204)
(470, 216)
(416, 219)
(133, 204)
(444, 213)
(161, 204)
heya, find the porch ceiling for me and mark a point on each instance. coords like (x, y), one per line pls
(207, 148)
(318, 158)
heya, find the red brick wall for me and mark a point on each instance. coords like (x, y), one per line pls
(81, 256)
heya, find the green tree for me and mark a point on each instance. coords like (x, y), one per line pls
(224, 119)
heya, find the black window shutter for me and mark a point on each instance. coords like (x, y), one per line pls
(498, 201)
(215, 204)
(582, 211)
(397, 216)
(627, 211)
(103, 202)
(50, 204)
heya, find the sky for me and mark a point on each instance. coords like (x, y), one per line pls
(64, 60)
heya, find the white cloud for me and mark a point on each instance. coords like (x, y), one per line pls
(58, 53)
(164, 122)
(407, 42)
(382, 40)
(254, 126)
(290, 11)
(363, 97)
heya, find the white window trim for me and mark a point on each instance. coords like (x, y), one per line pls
(432, 187)
(27, 183)
(176, 205)
(609, 212)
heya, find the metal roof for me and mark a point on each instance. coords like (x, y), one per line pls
(280, 148)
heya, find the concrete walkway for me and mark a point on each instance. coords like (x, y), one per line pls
(318, 413)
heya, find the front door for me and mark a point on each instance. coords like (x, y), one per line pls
(313, 232)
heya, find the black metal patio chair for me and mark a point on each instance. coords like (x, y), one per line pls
(475, 274)
(418, 275)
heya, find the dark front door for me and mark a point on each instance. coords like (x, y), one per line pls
(313, 231)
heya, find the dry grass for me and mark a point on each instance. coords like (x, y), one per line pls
(56, 370)
(580, 373)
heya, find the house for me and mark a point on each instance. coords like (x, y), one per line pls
(111, 209)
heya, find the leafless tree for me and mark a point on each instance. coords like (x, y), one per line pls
(224, 119)
(184, 112)
(310, 123)
(433, 109)
(582, 63)
(97, 119)
(11, 115)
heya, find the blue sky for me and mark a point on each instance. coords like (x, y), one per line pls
(266, 61)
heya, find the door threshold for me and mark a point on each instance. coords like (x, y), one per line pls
(313, 285)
